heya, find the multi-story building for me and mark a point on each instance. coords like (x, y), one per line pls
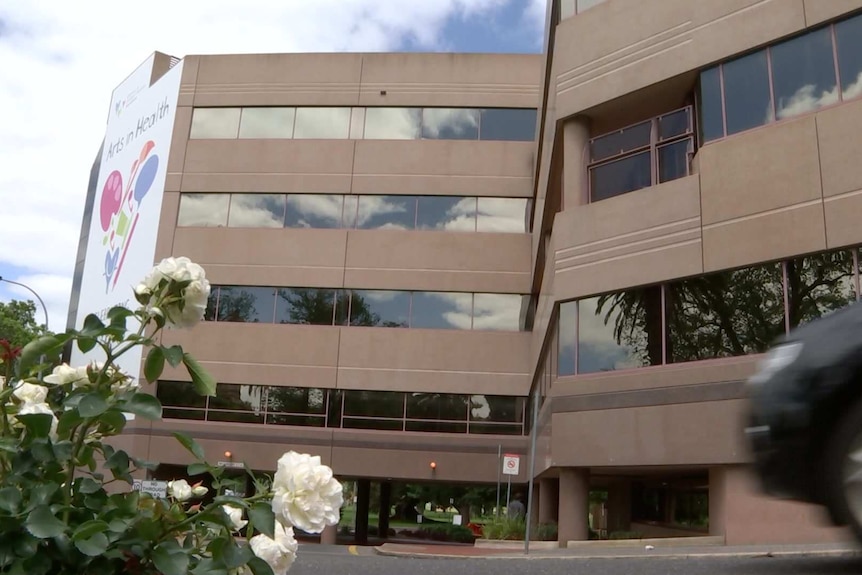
(411, 253)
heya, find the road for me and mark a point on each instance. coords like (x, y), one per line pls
(332, 560)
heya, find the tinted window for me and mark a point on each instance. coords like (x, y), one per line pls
(725, 314)
(311, 306)
(508, 124)
(498, 311)
(296, 400)
(380, 308)
(314, 211)
(442, 310)
(215, 123)
(179, 394)
(674, 124)
(709, 105)
(446, 213)
(803, 74)
(267, 123)
(246, 304)
(673, 160)
(621, 176)
(621, 141)
(436, 406)
(351, 207)
(374, 403)
(256, 211)
(323, 123)
(818, 285)
(208, 210)
(450, 124)
(746, 93)
(848, 36)
(496, 429)
(212, 304)
(496, 408)
(393, 123)
(501, 215)
(620, 330)
(239, 397)
(386, 212)
(234, 417)
(566, 332)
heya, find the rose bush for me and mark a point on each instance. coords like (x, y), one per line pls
(57, 515)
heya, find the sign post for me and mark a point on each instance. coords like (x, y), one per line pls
(499, 463)
(511, 466)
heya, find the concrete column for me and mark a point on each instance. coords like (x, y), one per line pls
(328, 535)
(717, 501)
(549, 500)
(363, 500)
(576, 149)
(620, 506)
(574, 504)
(534, 504)
(385, 502)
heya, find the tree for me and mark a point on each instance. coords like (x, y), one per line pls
(18, 323)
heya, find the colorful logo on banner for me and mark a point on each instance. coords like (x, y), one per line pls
(119, 210)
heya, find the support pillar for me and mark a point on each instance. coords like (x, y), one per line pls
(576, 150)
(385, 503)
(363, 500)
(549, 500)
(718, 501)
(328, 535)
(619, 506)
(574, 504)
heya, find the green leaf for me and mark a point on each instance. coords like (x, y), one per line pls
(69, 419)
(145, 405)
(235, 556)
(263, 518)
(173, 354)
(154, 365)
(209, 567)
(93, 546)
(92, 405)
(10, 499)
(42, 493)
(198, 468)
(202, 380)
(259, 567)
(63, 450)
(41, 523)
(170, 562)
(88, 486)
(89, 528)
(34, 350)
(86, 344)
(118, 315)
(37, 424)
(190, 444)
(9, 444)
(93, 326)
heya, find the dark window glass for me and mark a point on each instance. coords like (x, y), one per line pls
(309, 400)
(848, 38)
(203, 210)
(342, 306)
(566, 332)
(621, 176)
(212, 304)
(803, 74)
(386, 212)
(673, 160)
(309, 306)
(709, 105)
(246, 304)
(336, 398)
(620, 330)
(508, 124)
(621, 141)
(239, 397)
(436, 426)
(322, 211)
(380, 308)
(674, 124)
(295, 420)
(495, 429)
(446, 213)
(450, 124)
(442, 310)
(393, 123)
(496, 409)
(234, 416)
(818, 285)
(441, 406)
(381, 424)
(499, 311)
(725, 314)
(179, 394)
(256, 211)
(374, 403)
(197, 415)
(746, 93)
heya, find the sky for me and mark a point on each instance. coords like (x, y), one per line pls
(61, 60)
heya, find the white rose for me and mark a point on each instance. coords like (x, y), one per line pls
(31, 393)
(180, 490)
(199, 490)
(41, 409)
(64, 374)
(191, 310)
(279, 553)
(235, 516)
(124, 385)
(305, 493)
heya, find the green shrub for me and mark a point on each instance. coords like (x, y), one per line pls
(442, 532)
(505, 529)
(545, 532)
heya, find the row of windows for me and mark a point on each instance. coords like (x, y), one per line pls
(370, 308)
(569, 8)
(448, 213)
(338, 123)
(718, 315)
(814, 70)
(314, 407)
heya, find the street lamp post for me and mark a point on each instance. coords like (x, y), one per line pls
(44, 309)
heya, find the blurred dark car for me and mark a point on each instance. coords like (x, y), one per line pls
(805, 424)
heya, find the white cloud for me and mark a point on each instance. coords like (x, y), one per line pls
(61, 61)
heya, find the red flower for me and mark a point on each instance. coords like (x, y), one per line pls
(9, 351)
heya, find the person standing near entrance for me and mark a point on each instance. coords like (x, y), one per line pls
(516, 507)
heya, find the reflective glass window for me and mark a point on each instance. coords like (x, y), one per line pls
(374, 403)
(620, 330)
(442, 310)
(509, 124)
(848, 38)
(234, 416)
(496, 428)
(267, 122)
(746, 93)
(673, 160)
(296, 420)
(507, 215)
(380, 308)
(393, 123)
(709, 105)
(496, 409)
(306, 400)
(621, 176)
(803, 74)
(256, 211)
(308, 306)
(215, 123)
(342, 306)
(432, 426)
(818, 285)
(179, 394)
(357, 123)
(348, 214)
(441, 406)
(321, 211)
(450, 213)
(587, 4)
(322, 123)
(386, 212)
(567, 332)
(725, 314)
(205, 210)
(674, 124)
(498, 311)
(193, 414)
(450, 124)
(567, 8)
(246, 304)
(239, 397)
(621, 141)
(212, 304)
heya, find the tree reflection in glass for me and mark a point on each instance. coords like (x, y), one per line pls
(818, 285)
